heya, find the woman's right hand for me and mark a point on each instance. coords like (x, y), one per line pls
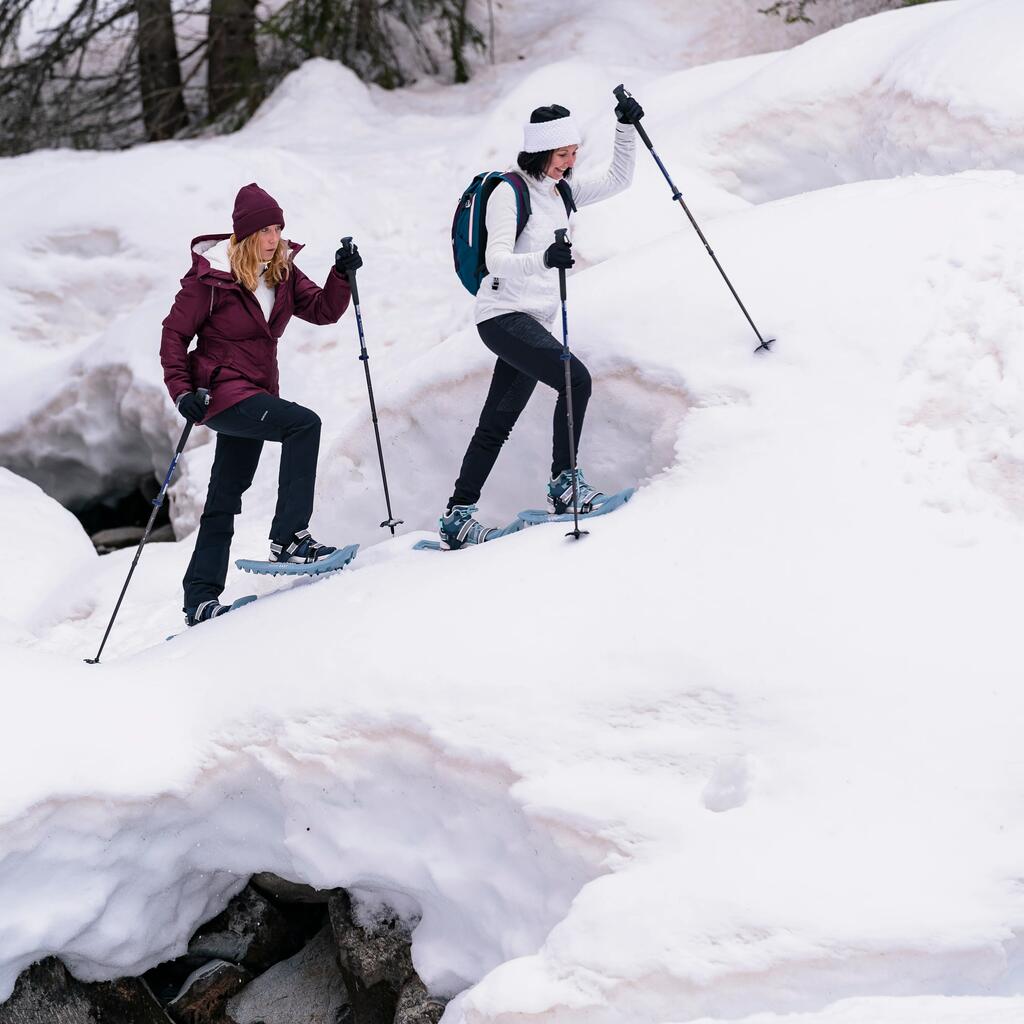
(558, 255)
(192, 405)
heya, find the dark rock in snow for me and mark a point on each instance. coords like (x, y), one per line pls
(46, 993)
(117, 537)
(306, 989)
(251, 931)
(416, 1005)
(376, 964)
(289, 892)
(205, 993)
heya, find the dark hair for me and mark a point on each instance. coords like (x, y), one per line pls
(536, 164)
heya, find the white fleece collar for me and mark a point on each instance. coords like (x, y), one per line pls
(217, 256)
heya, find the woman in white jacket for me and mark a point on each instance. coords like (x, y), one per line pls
(519, 299)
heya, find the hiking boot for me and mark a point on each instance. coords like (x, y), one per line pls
(560, 494)
(458, 528)
(302, 550)
(205, 611)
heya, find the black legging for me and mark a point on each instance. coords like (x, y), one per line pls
(241, 431)
(526, 353)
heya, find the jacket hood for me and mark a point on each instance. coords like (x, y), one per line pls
(210, 256)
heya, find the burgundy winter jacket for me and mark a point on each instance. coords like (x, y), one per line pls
(237, 348)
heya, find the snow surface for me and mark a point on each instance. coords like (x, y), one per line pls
(751, 750)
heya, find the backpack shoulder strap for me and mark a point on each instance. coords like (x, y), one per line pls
(565, 191)
(522, 191)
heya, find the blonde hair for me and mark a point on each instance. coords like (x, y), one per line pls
(246, 262)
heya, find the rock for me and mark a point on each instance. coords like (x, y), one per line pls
(46, 993)
(204, 995)
(306, 989)
(416, 1005)
(374, 948)
(117, 537)
(250, 931)
(290, 892)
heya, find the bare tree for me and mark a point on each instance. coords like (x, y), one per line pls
(113, 73)
(233, 70)
(163, 99)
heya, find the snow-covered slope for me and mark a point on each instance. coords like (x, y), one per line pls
(760, 758)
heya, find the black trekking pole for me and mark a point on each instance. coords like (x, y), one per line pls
(391, 521)
(157, 504)
(622, 94)
(575, 532)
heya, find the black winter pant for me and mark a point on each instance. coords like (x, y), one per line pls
(241, 431)
(526, 353)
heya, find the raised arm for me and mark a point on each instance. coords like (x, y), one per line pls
(618, 175)
(321, 305)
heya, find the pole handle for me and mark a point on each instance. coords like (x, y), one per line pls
(620, 92)
(560, 234)
(346, 243)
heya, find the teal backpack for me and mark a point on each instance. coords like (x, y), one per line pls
(469, 234)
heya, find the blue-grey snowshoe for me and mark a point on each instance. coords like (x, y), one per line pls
(301, 550)
(337, 559)
(458, 529)
(560, 494)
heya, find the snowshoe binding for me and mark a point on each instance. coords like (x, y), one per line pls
(560, 494)
(458, 528)
(301, 550)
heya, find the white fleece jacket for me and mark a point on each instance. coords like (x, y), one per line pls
(518, 281)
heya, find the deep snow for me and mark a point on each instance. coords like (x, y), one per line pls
(760, 755)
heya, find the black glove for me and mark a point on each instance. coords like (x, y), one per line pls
(559, 254)
(347, 259)
(192, 406)
(628, 111)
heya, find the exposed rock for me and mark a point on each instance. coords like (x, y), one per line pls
(205, 993)
(289, 892)
(250, 931)
(306, 989)
(117, 537)
(416, 1005)
(374, 948)
(46, 993)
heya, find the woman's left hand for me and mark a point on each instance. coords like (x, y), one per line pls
(347, 259)
(628, 111)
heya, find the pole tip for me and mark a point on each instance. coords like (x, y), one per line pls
(765, 345)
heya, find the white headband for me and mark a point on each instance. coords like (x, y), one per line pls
(545, 135)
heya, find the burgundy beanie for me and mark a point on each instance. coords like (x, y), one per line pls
(254, 209)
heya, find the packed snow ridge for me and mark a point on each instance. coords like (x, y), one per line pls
(750, 751)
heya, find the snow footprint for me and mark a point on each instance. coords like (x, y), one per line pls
(729, 785)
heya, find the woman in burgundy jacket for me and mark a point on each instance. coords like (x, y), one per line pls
(238, 297)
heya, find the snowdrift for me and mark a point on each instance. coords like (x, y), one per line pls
(750, 751)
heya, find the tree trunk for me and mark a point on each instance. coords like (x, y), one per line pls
(232, 65)
(163, 105)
